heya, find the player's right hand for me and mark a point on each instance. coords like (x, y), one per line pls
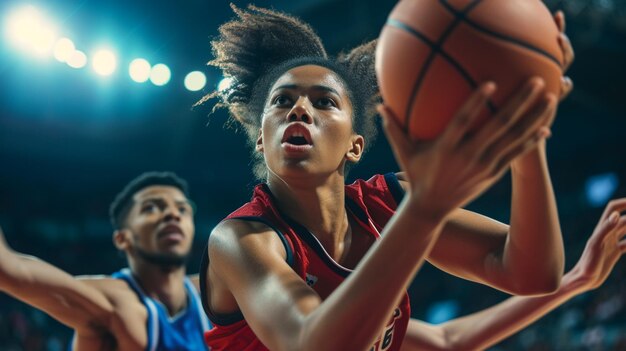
(604, 248)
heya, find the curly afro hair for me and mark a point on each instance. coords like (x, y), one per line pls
(259, 45)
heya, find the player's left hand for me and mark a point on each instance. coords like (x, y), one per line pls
(568, 54)
(566, 83)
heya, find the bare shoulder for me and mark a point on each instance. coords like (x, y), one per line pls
(234, 237)
(117, 291)
(195, 281)
(241, 253)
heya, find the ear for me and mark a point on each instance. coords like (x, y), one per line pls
(357, 144)
(259, 142)
(121, 239)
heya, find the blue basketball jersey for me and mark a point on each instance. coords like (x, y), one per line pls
(183, 331)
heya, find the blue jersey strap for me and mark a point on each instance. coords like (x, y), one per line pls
(153, 315)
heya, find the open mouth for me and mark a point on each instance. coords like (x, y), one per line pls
(297, 134)
(297, 140)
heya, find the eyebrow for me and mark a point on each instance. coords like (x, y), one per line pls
(160, 199)
(314, 87)
(178, 202)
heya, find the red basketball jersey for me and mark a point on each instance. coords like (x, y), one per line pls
(370, 204)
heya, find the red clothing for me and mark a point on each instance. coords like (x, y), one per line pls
(370, 204)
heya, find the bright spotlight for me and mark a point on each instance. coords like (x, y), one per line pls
(139, 70)
(22, 24)
(78, 59)
(195, 81)
(27, 29)
(225, 83)
(104, 62)
(160, 74)
(63, 49)
(43, 41)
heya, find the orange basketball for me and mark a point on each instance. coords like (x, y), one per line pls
(432, 54)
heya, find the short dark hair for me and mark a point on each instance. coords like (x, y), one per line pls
(259, 45)
(124, 200)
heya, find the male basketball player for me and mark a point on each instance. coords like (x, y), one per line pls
(151, 305)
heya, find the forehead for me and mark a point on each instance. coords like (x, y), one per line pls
(311, 75)
(159, 191)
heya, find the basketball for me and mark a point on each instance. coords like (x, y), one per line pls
(431, 55)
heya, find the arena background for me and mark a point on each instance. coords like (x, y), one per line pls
(70, 139)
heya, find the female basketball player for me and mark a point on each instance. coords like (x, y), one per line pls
(311, 263)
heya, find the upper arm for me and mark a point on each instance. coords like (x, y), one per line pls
(46, 287)
(471, 246)
(249, 260)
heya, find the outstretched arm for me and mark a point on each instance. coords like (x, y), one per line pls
(535, 242)
(485, 328)
(37, 283)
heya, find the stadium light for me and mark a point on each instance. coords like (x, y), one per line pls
(225, 83)
(195, 81)
(63, 49)
(160, 74)
(139, 70)
(42, 41)
(27, 29)
(78, 59)
(104, 62)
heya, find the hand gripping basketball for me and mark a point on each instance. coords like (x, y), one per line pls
(458, 165)
(431, 55)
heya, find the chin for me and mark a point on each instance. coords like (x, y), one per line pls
(170, 258)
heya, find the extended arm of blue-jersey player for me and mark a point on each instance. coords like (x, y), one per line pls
(37, 283)
(487, 327)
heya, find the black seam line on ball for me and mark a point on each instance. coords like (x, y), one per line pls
(497, 35)
(470, 81)
(436, 48)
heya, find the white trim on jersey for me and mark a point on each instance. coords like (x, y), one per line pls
(153, 315)
(194, 295)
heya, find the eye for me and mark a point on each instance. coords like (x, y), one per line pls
(149, 208)
(281, 100)
(326, 102)
(183, 209)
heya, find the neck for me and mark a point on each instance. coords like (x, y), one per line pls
(165, 285)
(319, 205)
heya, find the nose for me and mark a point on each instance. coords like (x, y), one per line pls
(171, 213)
(301, 111)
